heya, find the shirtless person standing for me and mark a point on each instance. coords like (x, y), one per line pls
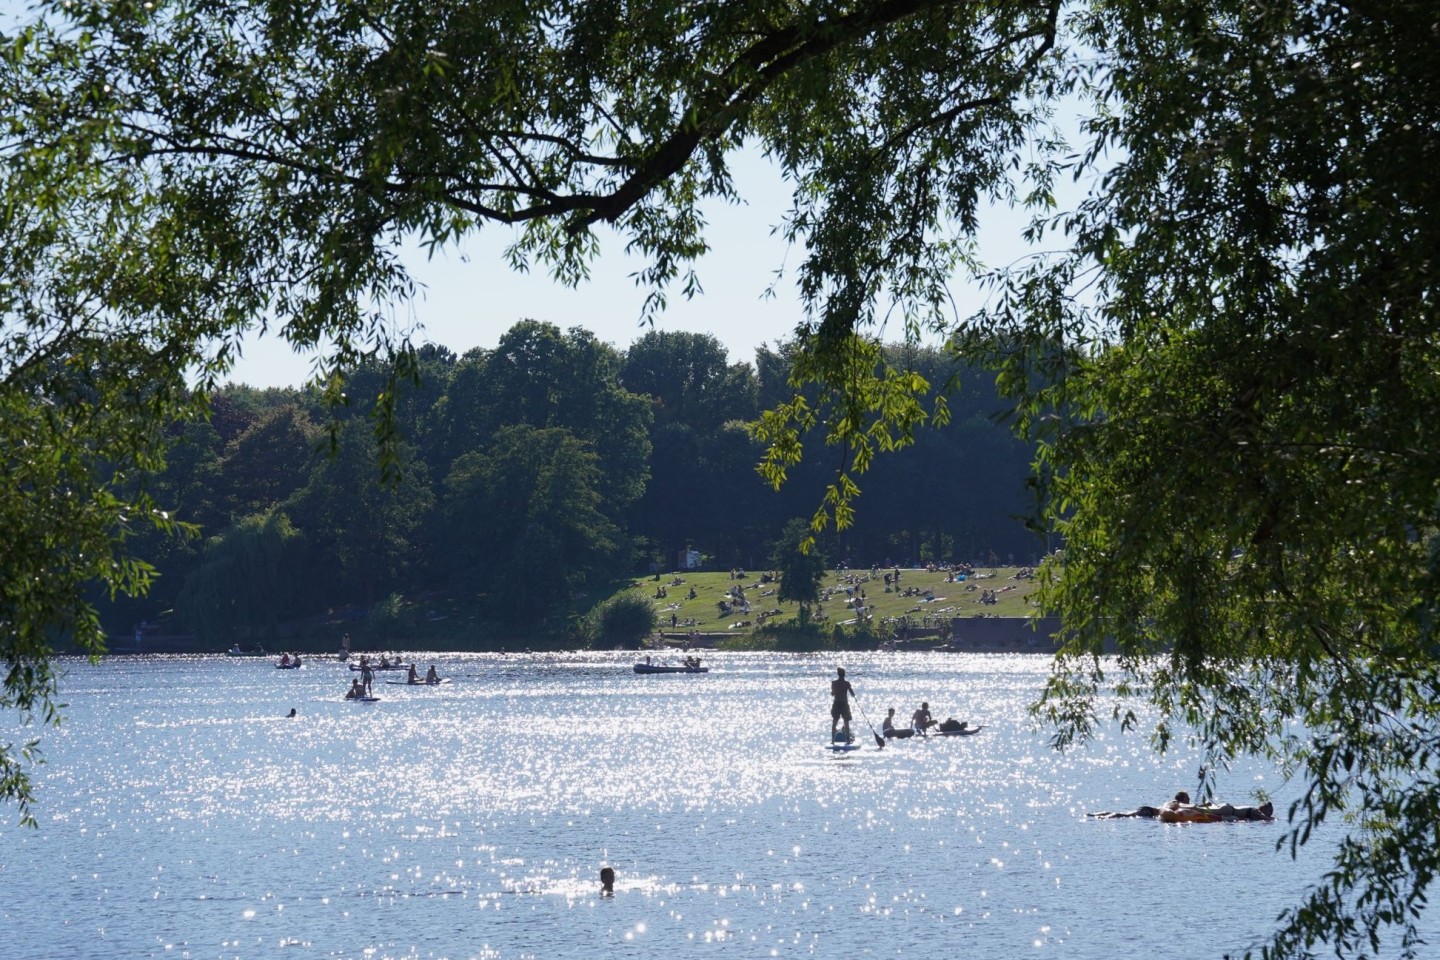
(840, 694)
(921, 721)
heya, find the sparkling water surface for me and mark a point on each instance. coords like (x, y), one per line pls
(182, 814)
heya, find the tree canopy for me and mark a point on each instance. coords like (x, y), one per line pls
(1228, 349)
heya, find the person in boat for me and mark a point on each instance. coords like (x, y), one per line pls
(1179, 809)
(412, 674)
(295, 661)
(356, 691)
(887, 727)
(284, 659)
(607, 881)
(951, 725)
(431, 676)
(921, 721)
(384, 662)
(840, 694)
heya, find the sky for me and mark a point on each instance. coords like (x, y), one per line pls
(469, 296)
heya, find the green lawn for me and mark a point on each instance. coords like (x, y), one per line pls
(958, 599)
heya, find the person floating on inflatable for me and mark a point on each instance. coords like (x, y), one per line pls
(1179, 809)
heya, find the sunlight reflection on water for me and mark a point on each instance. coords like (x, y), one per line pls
(182, 814)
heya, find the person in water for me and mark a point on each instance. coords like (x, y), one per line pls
(431, 676)
(292, 712)
(887, 727)
(607, 881)
(840, 694)
(921, 721)
(1179, 809)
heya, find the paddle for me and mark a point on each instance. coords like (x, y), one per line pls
(879, 740)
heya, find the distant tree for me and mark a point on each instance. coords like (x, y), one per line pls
(690, 380)
(524, 519)
(250, 579)
(269, 461)
(542, 377)
(364, 534)
(801, 568)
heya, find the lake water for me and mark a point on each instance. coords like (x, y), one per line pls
(182, 814)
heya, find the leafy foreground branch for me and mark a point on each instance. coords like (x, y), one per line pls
(1237, 446)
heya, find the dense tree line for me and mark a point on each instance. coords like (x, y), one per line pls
(525, 474)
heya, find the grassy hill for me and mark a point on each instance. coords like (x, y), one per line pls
(922, 599)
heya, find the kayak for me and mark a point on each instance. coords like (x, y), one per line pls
(288, 666)
(667, 668)
(419, 683)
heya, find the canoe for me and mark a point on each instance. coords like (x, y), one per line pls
(667, 668)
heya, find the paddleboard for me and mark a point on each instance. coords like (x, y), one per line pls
(419, 683)
(957, 733)
(363, 699)
(843, 747)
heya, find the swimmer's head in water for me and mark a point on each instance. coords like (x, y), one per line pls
(607, 879)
